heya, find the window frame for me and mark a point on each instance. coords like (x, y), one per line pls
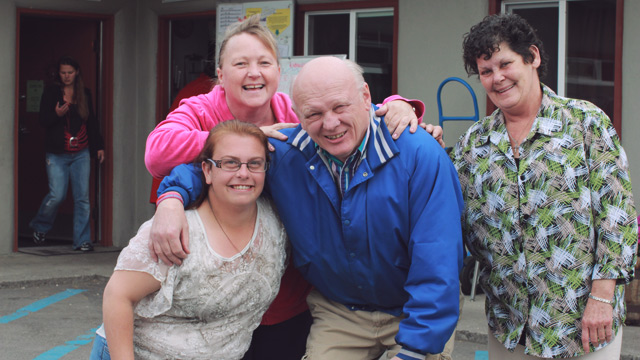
(498, 6)
(351, 7)
(353, 18)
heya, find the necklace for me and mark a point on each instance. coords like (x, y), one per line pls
(221, 228)
(515, 146)
(516, 141)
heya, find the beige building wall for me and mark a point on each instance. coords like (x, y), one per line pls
(430, 50)
(7, 143)
(631, 93)
(133, 116)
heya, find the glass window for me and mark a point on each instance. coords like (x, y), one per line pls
(545, 21)
(328, 34)
(374, 51)
(579, 37)
(591, 51)
(365, 36)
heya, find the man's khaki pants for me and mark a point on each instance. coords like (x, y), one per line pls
(340, 333)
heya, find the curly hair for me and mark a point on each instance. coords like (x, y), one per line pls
(484, 38)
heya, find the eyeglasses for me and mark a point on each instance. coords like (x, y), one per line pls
(256, 166)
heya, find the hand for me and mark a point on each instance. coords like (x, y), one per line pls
(62, 109)
(597, 323)
(100, 155)
(399, 114)
(272, 131)
(436, 131)
(169, 233)
(597, 319)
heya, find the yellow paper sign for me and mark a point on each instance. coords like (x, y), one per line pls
(279, 21)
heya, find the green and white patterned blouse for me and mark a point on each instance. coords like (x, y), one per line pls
(545, 229)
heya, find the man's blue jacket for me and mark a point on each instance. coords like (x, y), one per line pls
(391, 243)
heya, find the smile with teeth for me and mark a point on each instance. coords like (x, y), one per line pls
(253, 87)
(333, 137)
(504, 90)
(240, 187)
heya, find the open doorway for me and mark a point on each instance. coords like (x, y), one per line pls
(186, 43)
(186, 50)
(43, 38)
(192, 49)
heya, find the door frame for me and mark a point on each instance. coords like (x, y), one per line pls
(105, 114)
(495, 7)
(163, 57)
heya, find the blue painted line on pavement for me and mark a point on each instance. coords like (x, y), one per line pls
(60, 351)
(39, 305)
(482, 355)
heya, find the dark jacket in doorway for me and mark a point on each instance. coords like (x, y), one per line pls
(55, 125)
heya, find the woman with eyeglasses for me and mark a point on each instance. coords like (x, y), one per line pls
(208, 307)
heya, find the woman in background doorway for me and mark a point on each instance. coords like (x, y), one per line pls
(72, 133)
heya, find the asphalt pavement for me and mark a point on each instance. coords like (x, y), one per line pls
(50, 306)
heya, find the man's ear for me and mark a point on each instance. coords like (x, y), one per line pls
(303, 123)
(295, 109)
(366, 95)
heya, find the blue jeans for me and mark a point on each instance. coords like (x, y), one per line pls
(60, 169)
(100, 350)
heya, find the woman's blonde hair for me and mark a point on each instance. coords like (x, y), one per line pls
(250, 26)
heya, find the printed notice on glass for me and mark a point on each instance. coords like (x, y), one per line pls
(275, 15)
(227, 15)
(34, 93)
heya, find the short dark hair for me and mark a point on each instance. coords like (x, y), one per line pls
(484, 38)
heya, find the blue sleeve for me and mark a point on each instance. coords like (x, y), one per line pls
(186, 180)
(435, 249)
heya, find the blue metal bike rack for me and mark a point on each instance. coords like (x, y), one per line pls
(443, 118)
(474, 118)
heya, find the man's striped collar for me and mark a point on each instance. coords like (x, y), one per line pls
(380, 147)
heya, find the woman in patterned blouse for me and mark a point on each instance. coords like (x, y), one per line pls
(548, 205)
